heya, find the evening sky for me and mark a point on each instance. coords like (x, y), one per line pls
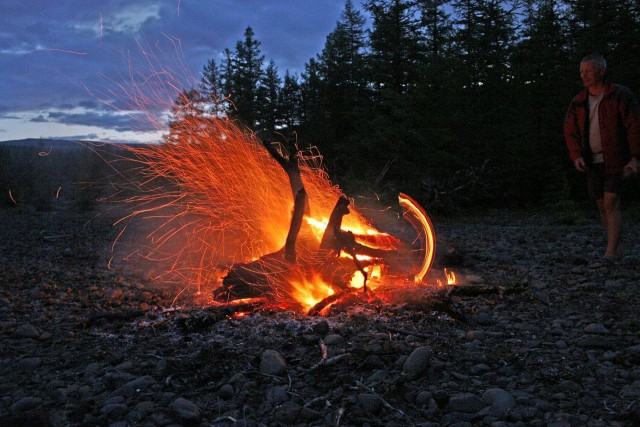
(75, 69)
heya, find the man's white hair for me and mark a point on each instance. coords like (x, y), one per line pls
(596, 59)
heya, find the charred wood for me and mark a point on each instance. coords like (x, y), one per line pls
(296, 222)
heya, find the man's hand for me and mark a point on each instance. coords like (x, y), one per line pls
(580, 165)
(631, 167)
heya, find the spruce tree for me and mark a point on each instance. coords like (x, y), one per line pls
(245, 75)
(267, 100)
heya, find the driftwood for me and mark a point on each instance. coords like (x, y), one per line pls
(109, 316)
(209, 316)
(292, 169)
(260, 277)
(300, 205)
(270, 274)
(477, 290)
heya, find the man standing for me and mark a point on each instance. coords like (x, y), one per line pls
(602, 132)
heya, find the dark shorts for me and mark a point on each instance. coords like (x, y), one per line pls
(599, 182)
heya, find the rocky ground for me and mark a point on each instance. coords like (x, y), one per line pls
(554, 340)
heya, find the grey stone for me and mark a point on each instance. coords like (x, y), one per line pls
(226, 392)
(26, 404)
(321, 328)
(277, 395)
(238, 378)
(272, 363)
(484, 319)
(114, 410)
(466, 403)
(288, 412)
(417, 362)
(370, 402)
(26, 331)
(185, 409)
(135, 386)
(596, 328)
(141, 411)
(334, 339)
(501, 401)
(423, 397)
(28, 363)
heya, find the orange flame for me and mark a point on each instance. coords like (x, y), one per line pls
(218, 197)
(451, 277)
(310, 292)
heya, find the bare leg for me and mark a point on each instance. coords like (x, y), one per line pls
(613, 223)
(603, 213)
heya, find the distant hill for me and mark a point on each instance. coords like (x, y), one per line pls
(55, 144)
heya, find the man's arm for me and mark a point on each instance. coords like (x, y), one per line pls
(572, 136)
(630, 114)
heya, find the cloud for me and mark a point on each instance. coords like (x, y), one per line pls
(108, 120)
(132, 18)
(80, 137)
(39, 119)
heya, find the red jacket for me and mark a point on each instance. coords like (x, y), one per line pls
(619, 117)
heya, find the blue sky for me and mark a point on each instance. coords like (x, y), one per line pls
(74, 69)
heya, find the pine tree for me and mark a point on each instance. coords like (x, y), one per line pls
(267, 100)
(245, 75)
(396, 54)
(211, 89)
(312, 113)
(435, 99)
(343, 92)
(290, 104)
(611, 29)
(189, 107)
(395, 44)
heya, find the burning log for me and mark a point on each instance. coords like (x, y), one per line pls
(276, 274)
(317, 309)
(271, 273)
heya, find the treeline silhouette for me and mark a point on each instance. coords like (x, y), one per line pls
(45, 175)
(455, 102)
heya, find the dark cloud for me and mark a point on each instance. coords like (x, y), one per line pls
(90, 104)
(39, 119)
(81, 137)
(116, 121)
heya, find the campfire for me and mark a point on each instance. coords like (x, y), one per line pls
(264, 223)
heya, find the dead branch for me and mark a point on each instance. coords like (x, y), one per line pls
(406, 332)
(110, 316)
(477, 290)
(294, 228)
(292, 169)
(315, 311)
